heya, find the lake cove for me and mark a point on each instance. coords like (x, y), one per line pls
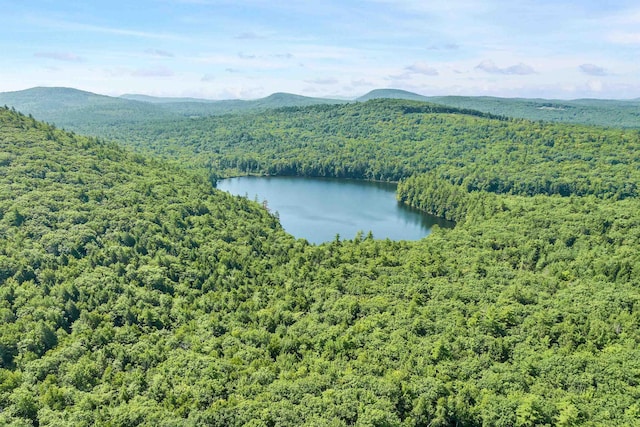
(317, 209)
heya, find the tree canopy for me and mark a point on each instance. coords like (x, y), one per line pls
(134, 293)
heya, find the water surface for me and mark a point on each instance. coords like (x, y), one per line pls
(318, 209)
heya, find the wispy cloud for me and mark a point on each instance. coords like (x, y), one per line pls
(59, 56)
(361, 82)
(283, 55)
(160, 53)
(446, 46)
(322, 81)
(76, 26)
(250, 35)
(403, 76)
(520, 69)
(153, 72)
(593, 70)
(595, 85)
(461, 47)
(422, 68)
(622, 37)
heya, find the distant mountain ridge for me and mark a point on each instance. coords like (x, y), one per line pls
(392, 94)
(68, 106)
(275, 98)
(208, 107)
(598, 112)
(162, 99)
(39, 98)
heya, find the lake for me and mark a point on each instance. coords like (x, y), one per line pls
(317, 209)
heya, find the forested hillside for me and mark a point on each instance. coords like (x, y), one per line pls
(132, 293)
(598, 112)
(390, 140)
(202, 108)
(67, 107)
(84, 111)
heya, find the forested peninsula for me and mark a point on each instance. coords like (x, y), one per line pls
(132, 292)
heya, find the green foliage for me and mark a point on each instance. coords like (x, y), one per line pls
(597, 112)
(390, 140)
(133, 293)
(68, 107)
(191, 107)
(76, 109)
(80, 110)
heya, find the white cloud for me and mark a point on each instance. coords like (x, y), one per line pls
(160, 53)
(322, 81)
(153, 72)
(76, 26)
(533, 50)
(403, 76)
(249, 35)
(59, 56)
(446, 46)
(422, 68)
(361, 82)
(593, 70)
(520, 69)
(622, 37)
(283, 55)
(595, 85)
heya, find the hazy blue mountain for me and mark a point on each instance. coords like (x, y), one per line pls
(79, 110)
(208, 107)
(600, 112)
(55, 98)
(163, 99)
(393, 94)
(68, 107)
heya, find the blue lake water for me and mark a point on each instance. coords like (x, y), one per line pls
(317, 209)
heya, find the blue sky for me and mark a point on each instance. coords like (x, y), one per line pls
(223, 49)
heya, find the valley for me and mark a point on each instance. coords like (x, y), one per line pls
(135, 293)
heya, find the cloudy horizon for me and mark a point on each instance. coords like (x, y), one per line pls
(247, 49)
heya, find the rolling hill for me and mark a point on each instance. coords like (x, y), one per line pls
(72, 108)
(599, 112)
(392, 94)
(611, 113)
(163, 100)
(133, 293)
(76, 109)
(46, 99)
(392, 139)
(202, 107)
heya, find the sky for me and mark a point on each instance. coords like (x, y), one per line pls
(247, 49)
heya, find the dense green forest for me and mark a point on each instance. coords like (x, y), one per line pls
(201, 107)
(599, 112)
(389, 140)
(66, 107)
(133, 293)
(80, 110)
